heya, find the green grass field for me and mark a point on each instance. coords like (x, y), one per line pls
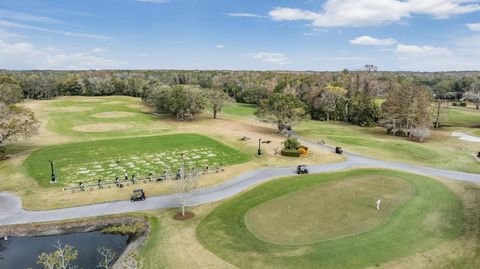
(463, 117)
(102, 117)
(330, 210)
(240, 110)
(105, 159)
(439, 150)
(433, 216)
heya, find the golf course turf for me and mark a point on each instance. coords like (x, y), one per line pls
(426, 215)
(105, 159)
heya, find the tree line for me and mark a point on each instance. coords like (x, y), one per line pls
(284, 98)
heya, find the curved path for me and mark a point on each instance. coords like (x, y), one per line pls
(11, 211)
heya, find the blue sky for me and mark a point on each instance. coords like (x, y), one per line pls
(417, 35)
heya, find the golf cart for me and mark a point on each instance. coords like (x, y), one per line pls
(302, 169)
(138, 195)
(338, 150)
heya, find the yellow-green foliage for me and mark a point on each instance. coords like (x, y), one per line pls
(134, 228)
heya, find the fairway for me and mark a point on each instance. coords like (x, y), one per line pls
(439, 150)
(105, 159)
(420, 214)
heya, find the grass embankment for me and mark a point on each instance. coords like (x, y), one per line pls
(440, 150)
(463, 117)
(105, 159)
(433, 216)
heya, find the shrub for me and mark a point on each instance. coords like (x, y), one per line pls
(454, 104)
(290, 153)
(291, 143)
(124, 229)
(464, 104)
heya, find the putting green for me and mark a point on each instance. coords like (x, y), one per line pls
(419, 213)
(105, 159)
(330, 210)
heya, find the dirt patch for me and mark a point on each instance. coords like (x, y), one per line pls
(187, 216)
(67, 109)
(113, 115)
(102, 127)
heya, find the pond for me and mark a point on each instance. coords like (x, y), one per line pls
(23, 252)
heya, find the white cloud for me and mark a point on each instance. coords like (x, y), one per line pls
(9, 24)
(360, 13)
(372, 41)
(270, 57)
(143, 54)
(25, 17)
(251, 15)
(219, 46)
(420, 51)
(24, 55)
(153, 1)
(473, 26)
(98, 50)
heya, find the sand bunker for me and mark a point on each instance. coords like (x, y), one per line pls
(466, 137)
(102, 127)
(67, 109)
(113, 115)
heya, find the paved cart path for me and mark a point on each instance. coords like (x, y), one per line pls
(11, 211)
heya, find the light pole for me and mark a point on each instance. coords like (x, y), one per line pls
(53, 177)
(259, 152)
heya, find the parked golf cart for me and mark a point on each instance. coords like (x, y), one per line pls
(138, 195)
(302, 169)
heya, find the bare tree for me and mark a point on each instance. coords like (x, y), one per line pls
(108, 255)
(474, 93)
(184, 184)
(60, 258)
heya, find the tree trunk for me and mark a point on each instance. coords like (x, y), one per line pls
(437, 123)
(280, 127)
(183, 210)
(477, 105)
(328, 116)
(214, 113)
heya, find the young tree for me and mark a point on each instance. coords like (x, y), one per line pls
(108, 255)
(61, 258)
(184, 184)
(217, 98)
(285, 110)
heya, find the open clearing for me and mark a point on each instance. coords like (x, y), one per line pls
(327, 211)
(106, 159)
(433, 216)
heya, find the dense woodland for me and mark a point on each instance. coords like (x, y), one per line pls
(349, 96)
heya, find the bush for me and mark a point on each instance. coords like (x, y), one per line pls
(464, 104)
(291, 143)
(290, 153)
(454, 104)
(124, 229)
